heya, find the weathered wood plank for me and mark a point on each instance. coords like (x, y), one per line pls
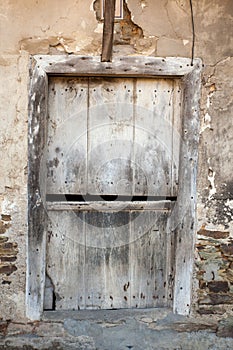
(107, 259)
(170, 263)
(37, 139)
(110, 136)
(108, 30)
(110, 206)
(65, 263)
(183, 220)
(176, 134)
(120, 66)
(153, 137)
(148, 248)
(67, 135)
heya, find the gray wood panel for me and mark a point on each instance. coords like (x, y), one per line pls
(112, 206)
(134, 66)
(67, 136)
(65, 265)
(153, 137)
(176, 134)
(148, 256)
(113, 136)
(108, 260)
(110, 136)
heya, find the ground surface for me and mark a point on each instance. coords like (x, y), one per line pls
(118, 330)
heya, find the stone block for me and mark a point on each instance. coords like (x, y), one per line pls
(218, 286)
(225, 328)
(217, 298)
(214, 234)
(3, 327)
(227, 249)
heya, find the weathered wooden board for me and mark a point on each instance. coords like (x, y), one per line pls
(177, 134)
(112, 206)
(37, 138)
(108, 30)
(109, 136)
(107, 260)
(153, 137)
(148, 254)
(67, 135)
(127, 66)
(65, 265)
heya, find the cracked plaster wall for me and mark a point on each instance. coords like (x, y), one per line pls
(161, 28)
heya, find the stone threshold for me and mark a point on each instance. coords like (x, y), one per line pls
(123, 329)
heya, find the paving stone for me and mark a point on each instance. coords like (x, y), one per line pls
(185, 327)
(46, 329)
(43, 343)
(19, 328)
(225, 328)
(3, 327)
(146, 319)
(136, 331)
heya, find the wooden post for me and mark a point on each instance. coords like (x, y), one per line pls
(109, 15)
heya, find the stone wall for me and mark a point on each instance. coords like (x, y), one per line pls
(157, 28)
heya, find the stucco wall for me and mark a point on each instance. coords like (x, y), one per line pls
(160, 28)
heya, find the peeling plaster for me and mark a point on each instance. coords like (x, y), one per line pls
(211, 179)
(143, 4)
(229, 203)
(207, 117)
(99, 28)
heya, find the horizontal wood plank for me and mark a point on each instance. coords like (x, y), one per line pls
(110, 206)
(126, 66)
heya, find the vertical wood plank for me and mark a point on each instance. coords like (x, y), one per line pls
(66, 259)
(184, 220)
(176, 134)
(170, 264)
(148, 248)
(37, 139)
(107, 260)
(153, 137)
(110, 136)
(67, 135)
(108, 29)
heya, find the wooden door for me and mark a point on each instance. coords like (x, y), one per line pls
(112, 180)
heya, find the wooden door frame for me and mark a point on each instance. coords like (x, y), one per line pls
(43, 66)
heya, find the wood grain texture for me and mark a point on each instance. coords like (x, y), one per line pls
(65, 265)
(110, 136)
(113, 136)
(108, 30)
(126, 66)
(153, 145)
(67, 135)
(37, 228)
(148, 249)
(107, 260)
(184, 217)
(110, 205)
